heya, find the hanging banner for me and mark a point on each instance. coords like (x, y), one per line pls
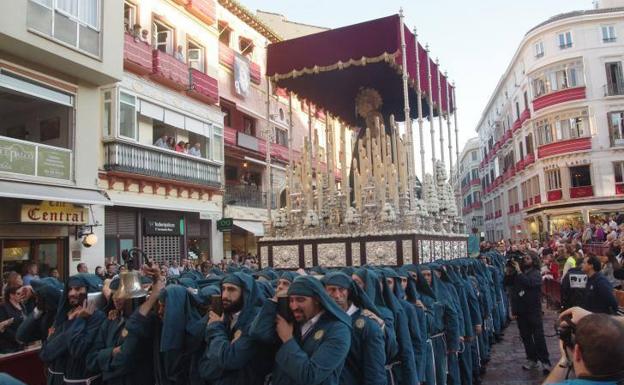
(241, 75)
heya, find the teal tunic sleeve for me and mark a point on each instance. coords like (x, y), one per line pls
(451, 326)
(263, 326)
(374, 372)
(390, 337)
(56, 345)
(406, 351)
(223, 354)
(328, 357)
(416, 336)
(83, 333)
(30, 329)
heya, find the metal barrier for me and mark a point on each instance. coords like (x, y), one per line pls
(596, 248)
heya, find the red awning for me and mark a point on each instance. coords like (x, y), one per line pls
(330, 67)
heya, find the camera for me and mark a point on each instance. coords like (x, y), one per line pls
(565, 329)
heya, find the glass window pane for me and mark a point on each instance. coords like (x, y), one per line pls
(218, 148)
(580, 176)
(617, 169)
(65, 29)
(127, 120)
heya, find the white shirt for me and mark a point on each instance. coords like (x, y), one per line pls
(352, 309)
(194, 151)
(234, 319)
(310, 324)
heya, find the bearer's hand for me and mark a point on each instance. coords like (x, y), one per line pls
(87, 310)
(576, 312)
(374, 317)
(25, 293)
(116, 350)
(214, 317)
(283, 328)
(5, 324)
(420, 304)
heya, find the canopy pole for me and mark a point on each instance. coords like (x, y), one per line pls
(406, 108)
(431, 124)
(420, 108)
(310, 131)
(456, 129)
(448, 122)
(268, 138)
(440, 112)
(290, 153)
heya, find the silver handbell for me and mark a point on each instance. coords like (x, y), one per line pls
(130, 286)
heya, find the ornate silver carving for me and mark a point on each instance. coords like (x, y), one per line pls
(407, 251)
(355, 254)
(447, 250)
(307, 256)
(437, 250)
(425, 251)
(332, 254)
(381, 253)
(286, 257)
(264, 256)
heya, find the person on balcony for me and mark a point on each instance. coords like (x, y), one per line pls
(162, 141)
(145, 36)
(195, 150)
(180, 147)
(179, 54)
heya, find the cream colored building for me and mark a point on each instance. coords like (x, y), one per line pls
(468, 185)
(552, 131)
(54, 58)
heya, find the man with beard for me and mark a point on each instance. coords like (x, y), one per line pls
(315, 346)
(120, 353)
(73, 333)
(526, 307)
(232, 356)
(47, 293)
(366, 360)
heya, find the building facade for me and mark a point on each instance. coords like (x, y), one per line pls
(54, 58)
(551, 134)
(468, 185)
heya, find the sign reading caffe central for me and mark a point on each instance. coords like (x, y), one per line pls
(54, 213)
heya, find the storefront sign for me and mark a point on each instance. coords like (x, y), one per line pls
(159, 226)
(21, 157)
(225, 224)
(54, 212)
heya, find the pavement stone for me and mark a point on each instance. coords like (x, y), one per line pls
(505, 366)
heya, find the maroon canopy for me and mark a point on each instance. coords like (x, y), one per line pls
(330, 67)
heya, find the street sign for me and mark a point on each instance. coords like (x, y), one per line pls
(225, 224)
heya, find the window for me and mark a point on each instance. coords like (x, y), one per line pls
(526, 100)
(618, 171)
(529, 144)
(227, 116)
(217, 149)
(517, 110)
(127, 116)
(580, 176)
(566, 126)
(474, 174)
(245, 46)
(565, 40)
(249, 125)
(130, 19)
(539, 49)
(473, 155)
(558, 77)
(281, 137)
(615, 81)
(195, 55)
(608, 33)
(553, 179)
(163, 37)
(107, 115)
(520, 150)
(544, 132)
(225, 33)
(616, 128)
(73, 22)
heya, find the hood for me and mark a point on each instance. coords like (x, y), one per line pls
(371, 285)
(251, 297)
(308, 286)
(356, 294)
(92, 282)
(179, 314)
(50, 289)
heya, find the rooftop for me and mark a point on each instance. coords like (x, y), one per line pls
(568, 15)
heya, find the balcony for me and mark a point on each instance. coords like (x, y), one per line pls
(554, 195)
(159, 163)
(204, 10)
(169, 71)
(137, 56)
(557, 97)
(525, 115)
(520, 165)
(248, 196)
(529, 160)
(537, 199)
(517, 207)
(619, 189)
(226, 58)
(203, 87)
(581, 192)
(564, 147)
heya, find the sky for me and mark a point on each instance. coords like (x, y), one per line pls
(474, 40)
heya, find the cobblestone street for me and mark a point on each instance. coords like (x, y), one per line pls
(505, 367)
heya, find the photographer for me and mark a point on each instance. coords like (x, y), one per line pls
(526, 308)
(593, 349)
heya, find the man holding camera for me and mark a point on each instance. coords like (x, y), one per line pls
(592, 345)
(526, 308)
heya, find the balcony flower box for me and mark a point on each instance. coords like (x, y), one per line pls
(554, 195)
(203, 87)
(137, 56)
(169, 71)
(516, 125)
(581, 192)
(526, 115)
(226, 58)
(517, 207)
(529, 160)
(557, 97)
(520, 165)
(564, 147)
(619, 188)
(537, 200)
(255, 72)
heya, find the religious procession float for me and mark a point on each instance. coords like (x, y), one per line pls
(371, 80)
